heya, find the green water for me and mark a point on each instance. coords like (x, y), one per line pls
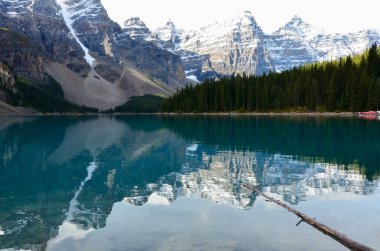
(174, 183)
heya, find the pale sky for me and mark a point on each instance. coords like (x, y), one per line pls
(332, 15)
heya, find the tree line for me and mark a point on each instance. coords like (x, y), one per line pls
(349, 84)
(46, 98)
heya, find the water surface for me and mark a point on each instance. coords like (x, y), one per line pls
(174, 183)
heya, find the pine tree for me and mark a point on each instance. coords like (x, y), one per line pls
(350, 84)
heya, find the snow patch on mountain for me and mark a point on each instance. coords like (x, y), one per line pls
(170, 35)
(69, 20)
(89, 9)
(239, 45)
(224, 48)
(136, 29)
(30, 7)
(298, 43)
(193, 78)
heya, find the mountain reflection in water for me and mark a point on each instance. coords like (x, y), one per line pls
(63, 175)
(219, 177)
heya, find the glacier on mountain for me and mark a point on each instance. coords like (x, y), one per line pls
(239, 45)
(69, 18)
(298, 43)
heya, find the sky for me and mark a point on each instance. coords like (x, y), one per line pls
(339, 16)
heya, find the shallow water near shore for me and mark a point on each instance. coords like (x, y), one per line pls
(174, 182)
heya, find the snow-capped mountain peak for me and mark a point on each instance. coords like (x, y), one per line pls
(134, 22)
(70, 15)
(167, 37)
(14, 8)
(95, 61)
(296, 21)
(298, 43)
(168, 32)
(136, 28)
(170, 24)
(298, 27)
(238, 45)
(246, 17)
(86, 9)
(231, 46)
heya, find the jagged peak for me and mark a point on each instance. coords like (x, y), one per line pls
(247, 17)
(136, 28)
(244, 17)
(168, 27)
(170, 24)
(298, 26)
(371, 31)
(246, 13)
(134, 21)
(296, 20)
(295, 23)
(168, 32)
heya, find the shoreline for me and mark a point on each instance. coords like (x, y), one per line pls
(232, 114)
(269, 114)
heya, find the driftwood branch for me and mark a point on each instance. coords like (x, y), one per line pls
(344, 240)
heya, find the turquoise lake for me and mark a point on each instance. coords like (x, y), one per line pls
(175, 183)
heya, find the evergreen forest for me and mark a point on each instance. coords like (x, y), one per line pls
(350, 84)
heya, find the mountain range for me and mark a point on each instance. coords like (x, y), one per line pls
(100, 64)
(239, 45)
(74, 41)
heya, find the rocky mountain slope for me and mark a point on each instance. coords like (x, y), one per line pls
(100, 64)
(8, 90)
(299, 43)
(92, 58)
(239, 45)
(234, 46)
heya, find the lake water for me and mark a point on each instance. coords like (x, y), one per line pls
(174, 183)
